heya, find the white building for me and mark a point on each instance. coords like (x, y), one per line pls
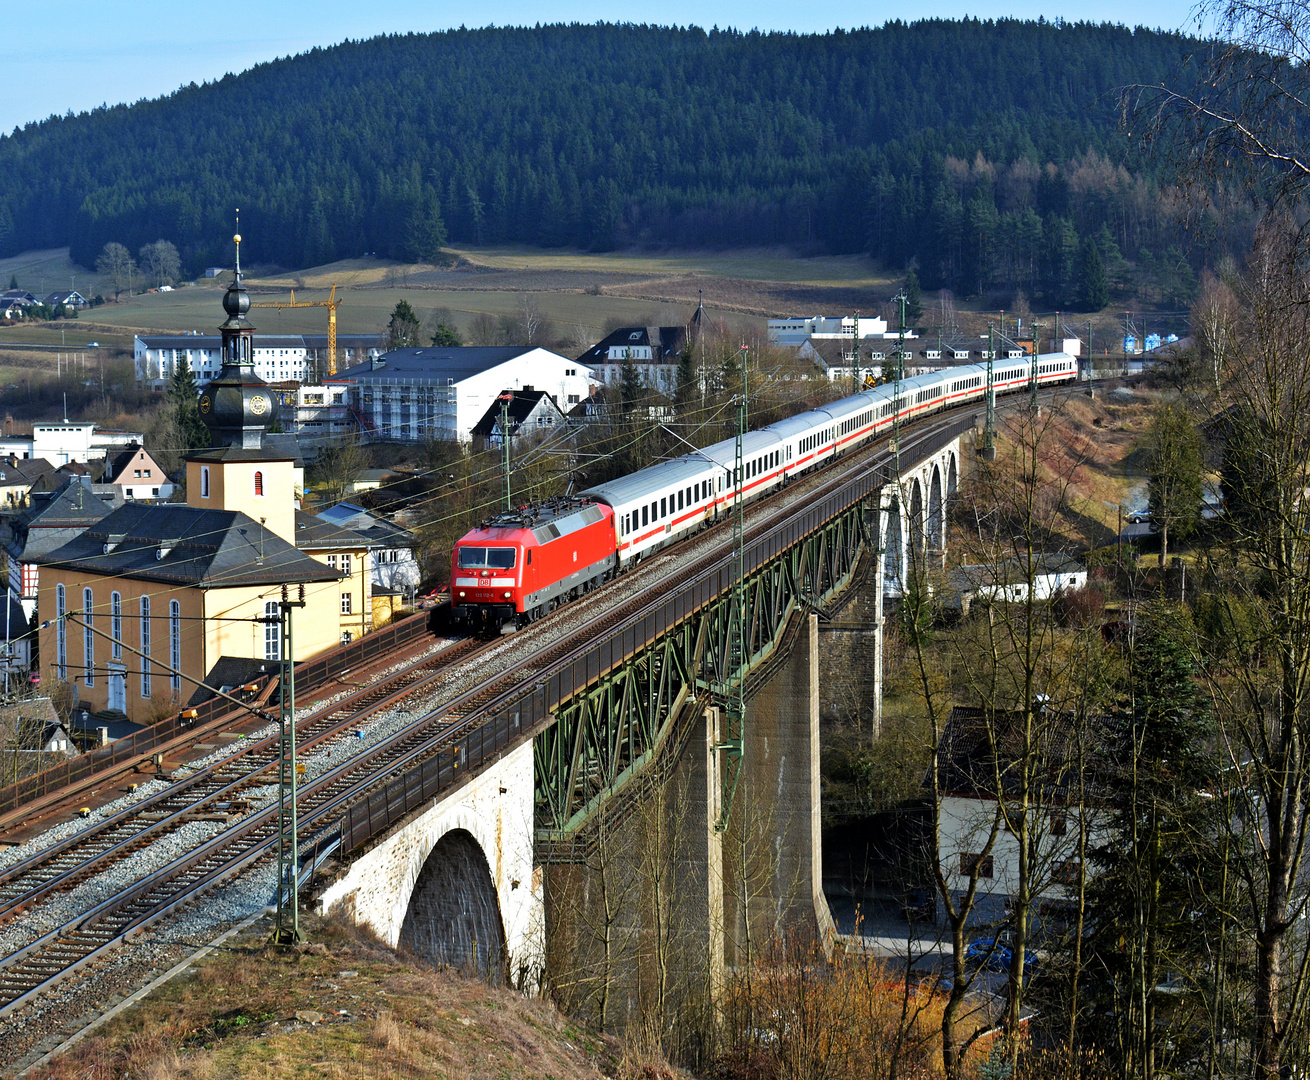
(654, 351)
(1052, 574)
(391, 562)
(65, 442)
(277, 357)
(798, 329)
(416, 395)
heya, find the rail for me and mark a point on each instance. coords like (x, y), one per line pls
(310, 675)
(482, 736)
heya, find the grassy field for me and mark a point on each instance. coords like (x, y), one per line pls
(579, 293)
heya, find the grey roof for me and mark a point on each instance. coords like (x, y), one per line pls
(1015, 572)
(454, 362)
(206, 548)
(522, 404)
(16, 625)
(231, 672)
(52, 520)
(376, 531)
(28, 470)
(665, 342)
(315, 534)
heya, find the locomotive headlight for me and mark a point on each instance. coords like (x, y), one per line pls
(508, 594)
(461, 594)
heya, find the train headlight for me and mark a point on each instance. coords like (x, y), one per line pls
(508, 594)
(461, 594)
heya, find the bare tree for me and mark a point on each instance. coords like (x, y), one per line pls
(115, 262)
(161, 262)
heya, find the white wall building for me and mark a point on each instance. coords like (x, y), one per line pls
(391, 562)
(1052, 573)
(61, 443)
(414, 395)
(798, 329)
(277, 357)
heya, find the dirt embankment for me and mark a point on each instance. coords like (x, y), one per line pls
(344, 1007)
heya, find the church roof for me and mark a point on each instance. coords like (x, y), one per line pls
(185, 545)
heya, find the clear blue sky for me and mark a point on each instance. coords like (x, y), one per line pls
(80, 54)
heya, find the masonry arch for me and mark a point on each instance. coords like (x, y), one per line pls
(453, 917)
(916, 517)
(952, 478)
(936, 517)
(892, 524)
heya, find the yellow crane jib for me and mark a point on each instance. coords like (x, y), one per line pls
(331, 303)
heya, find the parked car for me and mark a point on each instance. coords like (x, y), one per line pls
(93, 344)
(1139, 517)
(992, 955)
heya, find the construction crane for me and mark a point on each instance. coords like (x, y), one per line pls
(331, 303)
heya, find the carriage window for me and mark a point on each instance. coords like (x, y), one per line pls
(679, 500)
(643, 515)
(481, 558)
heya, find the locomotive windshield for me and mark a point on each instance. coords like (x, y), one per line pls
(482, 558)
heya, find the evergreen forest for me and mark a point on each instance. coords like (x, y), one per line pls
(989, 155)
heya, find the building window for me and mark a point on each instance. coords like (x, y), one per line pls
(175, 645)
(259, 483)
(88, 637)
(345, 603)
(272, 631)
(61, 633)
(981, 864)
(204, 481)
(332, 561)
(116, 625)
(345, 565)
(145, 646)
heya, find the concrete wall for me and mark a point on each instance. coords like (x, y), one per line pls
(495, 809)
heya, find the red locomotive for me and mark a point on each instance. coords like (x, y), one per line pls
(519, 565)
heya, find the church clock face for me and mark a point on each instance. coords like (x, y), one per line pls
(259, 405)
(205, 403)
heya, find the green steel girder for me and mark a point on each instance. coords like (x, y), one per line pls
(603, 737)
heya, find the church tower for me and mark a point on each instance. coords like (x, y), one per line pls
(240, 472)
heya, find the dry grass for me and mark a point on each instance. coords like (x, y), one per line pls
(235, 1018)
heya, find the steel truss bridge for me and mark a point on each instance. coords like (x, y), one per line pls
(602, 714)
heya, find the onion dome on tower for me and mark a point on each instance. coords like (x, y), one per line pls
(237, 405)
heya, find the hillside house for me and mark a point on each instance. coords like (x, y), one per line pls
(1052, 574)
(137, 475)
(529, 412)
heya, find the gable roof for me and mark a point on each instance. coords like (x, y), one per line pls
(122, 461)
(315, 534)
(205, 548)
(523, 403)
(230, 673)
(665, 342)
(376, 531)
(52, 519)
(455, 362)
(15, 470)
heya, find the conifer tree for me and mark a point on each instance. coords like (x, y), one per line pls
(403, 327)
(1093, 284)
(184, 395)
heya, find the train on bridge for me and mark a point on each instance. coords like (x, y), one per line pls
(521, 564)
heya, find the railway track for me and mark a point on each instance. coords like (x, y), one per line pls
(31, 971)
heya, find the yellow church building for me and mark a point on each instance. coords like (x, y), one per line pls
(139, 607)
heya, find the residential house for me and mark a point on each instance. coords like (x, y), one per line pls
(654, 351)
(137, 475)
(60, 443)
(19, 477)
(391, 563)
(346, 552)
(417, 395)
(978, 772)
(74, 300)
(1052, 573)
(529, 412)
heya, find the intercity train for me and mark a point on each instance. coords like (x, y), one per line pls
(521, 564)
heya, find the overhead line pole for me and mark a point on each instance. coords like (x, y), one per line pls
(286, 928)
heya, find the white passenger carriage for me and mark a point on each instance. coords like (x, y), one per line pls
(663, 503)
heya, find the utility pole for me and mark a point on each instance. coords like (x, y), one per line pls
(898, 374)
(286, 929)
(504, 400)
(1037, 332)
(855, 355)
(734, 687)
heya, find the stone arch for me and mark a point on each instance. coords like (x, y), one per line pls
(453, 917)
(917, 516)
(952, 478)
(892, 524)
(936, 511)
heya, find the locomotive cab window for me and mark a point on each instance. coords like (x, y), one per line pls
(483, 558)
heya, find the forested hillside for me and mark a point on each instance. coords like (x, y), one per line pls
(931, 142)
